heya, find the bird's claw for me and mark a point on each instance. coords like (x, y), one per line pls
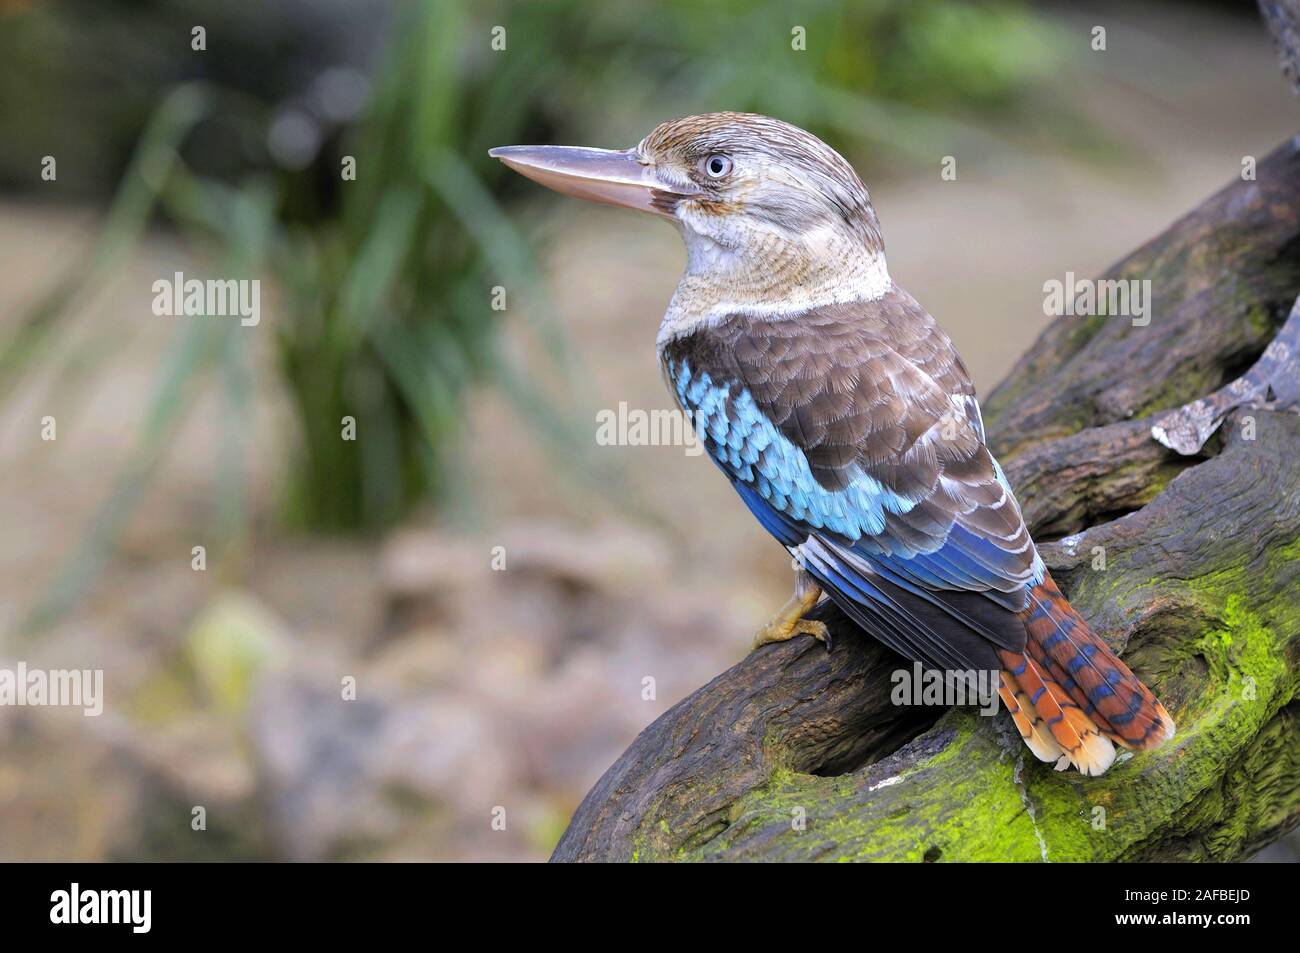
(776, 632)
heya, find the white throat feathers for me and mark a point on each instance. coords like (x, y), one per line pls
(769, 274)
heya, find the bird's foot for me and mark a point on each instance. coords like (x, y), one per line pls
(790, 621)
(779, 630)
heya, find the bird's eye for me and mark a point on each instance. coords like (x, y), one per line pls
(717, 165)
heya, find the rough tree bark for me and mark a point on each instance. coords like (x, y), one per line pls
(1200, 593)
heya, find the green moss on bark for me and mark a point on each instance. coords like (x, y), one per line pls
(980, 797)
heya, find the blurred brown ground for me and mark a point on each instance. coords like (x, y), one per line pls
(479, 689)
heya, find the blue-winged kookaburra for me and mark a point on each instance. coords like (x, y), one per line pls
(844, 418)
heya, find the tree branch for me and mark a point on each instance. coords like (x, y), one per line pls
(1188, 566)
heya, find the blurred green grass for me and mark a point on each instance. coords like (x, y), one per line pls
(385, 282)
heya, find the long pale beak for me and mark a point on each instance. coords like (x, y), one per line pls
(599, 175)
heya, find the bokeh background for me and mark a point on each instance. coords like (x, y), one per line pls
(478, 688)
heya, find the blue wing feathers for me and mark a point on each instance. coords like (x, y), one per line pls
(888, 584)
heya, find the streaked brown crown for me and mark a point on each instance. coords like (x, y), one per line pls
(691, 138)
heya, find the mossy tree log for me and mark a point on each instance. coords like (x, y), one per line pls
(798, 754)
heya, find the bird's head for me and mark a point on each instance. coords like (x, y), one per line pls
(747, 192)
